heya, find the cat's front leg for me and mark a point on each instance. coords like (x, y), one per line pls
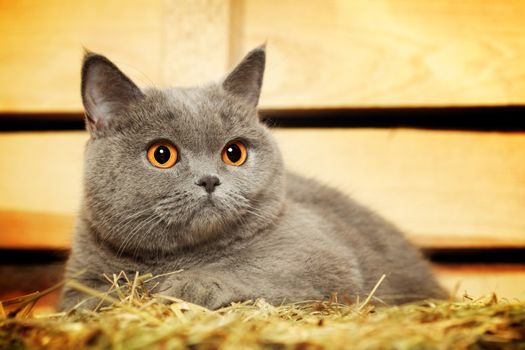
(211, 290)
(72, 298)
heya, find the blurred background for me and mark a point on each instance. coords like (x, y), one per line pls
(413, 107)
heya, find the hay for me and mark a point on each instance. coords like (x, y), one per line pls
(138, 319)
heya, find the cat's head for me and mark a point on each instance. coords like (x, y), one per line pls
(180, 166)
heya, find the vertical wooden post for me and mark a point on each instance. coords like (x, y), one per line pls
(197, 40)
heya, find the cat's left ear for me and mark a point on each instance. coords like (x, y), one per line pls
(245, 81)
(107, 93)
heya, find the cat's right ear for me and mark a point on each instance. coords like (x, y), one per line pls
(245, 81)
(107, 93)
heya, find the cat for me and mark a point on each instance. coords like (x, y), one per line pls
(191, 179)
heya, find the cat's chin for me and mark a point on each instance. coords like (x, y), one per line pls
(208, 220)
(210, 216)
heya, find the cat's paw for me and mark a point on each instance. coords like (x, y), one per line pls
(198, 288)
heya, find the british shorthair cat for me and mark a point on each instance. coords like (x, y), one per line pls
(190, 178)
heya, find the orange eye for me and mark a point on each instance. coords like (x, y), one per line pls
(234, 153)
(162, 155)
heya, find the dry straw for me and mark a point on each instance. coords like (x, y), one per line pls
(130, 317)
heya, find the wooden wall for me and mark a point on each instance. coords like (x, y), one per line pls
(322, 53)
(448, 189)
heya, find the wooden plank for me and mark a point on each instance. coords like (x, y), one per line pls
(338, 53)
(331, 53)
(443, 188)
(41, 172)
(446, 189)
(35, 230)
(158, 42)
(197, 40)
(506, 280)
(42, 45)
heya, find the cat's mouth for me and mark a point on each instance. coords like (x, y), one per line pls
(204, 203)
(209, 201)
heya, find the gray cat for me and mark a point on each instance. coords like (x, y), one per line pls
(189, 178)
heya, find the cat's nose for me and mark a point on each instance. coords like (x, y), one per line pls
(209, 182)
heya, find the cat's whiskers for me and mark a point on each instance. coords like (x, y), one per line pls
(170, 206)
(153, 225)
(246, 205)
(123, 222)
(130, 237)
(165, 206)
(134, 232)
(241, 219)
(238, 204)
(173, 197)
(162, 234)
(255, 213)
(264, 216)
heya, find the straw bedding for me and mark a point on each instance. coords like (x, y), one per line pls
(130, 316)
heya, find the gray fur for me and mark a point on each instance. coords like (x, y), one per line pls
(261, 233)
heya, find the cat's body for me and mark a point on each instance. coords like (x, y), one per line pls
(238, 232)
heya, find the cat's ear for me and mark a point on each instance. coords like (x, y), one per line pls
(245, 81)
(106, 92)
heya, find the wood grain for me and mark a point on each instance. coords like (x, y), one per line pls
(338, 53)
(444, 188)
(475, 281)
(158, 42)
(323, 53)
(35, 230)
(197, 41)
(42, 46)
(41, 172)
